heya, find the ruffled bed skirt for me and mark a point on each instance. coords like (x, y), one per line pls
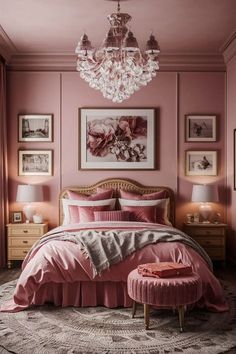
(82, 294)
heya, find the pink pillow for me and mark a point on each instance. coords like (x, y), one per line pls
(97, 196)
(136, 196)
(113, 215)
(102, 190)
(73, 210)
(154, 211)
(86, 214)
(142, 213)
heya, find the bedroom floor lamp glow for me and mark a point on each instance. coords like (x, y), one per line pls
(118, 68)
(205, 194)
(29, 193)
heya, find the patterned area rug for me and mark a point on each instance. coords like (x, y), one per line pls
(53, 330)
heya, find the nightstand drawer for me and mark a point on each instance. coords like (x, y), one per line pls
(19, 253)
(217, 254)
(21, 242)
(24, 230)
(205, 231)
(21, 237)
(210, 241)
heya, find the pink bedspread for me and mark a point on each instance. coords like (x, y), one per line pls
(59, 272)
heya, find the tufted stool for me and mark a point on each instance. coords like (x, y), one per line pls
(175, 292)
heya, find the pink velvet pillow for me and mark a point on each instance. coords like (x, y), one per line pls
(106, 194)
(86, 214)
(102, 190)
(112, 215)
(136, 196)
(142, 213)
(74, 211)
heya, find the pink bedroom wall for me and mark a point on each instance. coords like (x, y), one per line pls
(63, 93)
(231, 125)
(31, 92)
(201, 93)
(160, 94)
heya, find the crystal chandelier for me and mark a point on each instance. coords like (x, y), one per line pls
(118, 68)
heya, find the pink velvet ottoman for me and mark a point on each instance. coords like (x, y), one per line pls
(175, 292)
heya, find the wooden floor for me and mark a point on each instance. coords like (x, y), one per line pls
(228, 273)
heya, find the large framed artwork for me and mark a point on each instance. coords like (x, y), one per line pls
(35, 163)
(35, 127)
(201, 163)
(117, 139)
(200, 128)
(234, 159)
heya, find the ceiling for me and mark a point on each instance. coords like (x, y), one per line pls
(54, 26)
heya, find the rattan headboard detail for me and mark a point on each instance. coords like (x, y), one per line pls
(117, 184)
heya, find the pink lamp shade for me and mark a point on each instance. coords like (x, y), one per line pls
(204, 194)
(28, 193)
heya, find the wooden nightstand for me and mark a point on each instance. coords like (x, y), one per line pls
(20, 238)
(210, 236)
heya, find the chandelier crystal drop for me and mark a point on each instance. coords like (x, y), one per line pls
(118, 68)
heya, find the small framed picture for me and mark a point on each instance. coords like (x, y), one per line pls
(200, 128)
(16, 217)
(201, 163)
(35, 163)
(35, 127)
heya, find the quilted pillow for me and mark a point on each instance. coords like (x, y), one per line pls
(111, 215)
(83, 210)
(154, 211)
(77, 196)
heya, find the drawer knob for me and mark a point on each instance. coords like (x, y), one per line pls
(25, 231)
(25, 241)
(25, 252)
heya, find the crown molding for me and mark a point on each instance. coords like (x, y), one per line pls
(66, 61)
(7, 48)
(228, 49)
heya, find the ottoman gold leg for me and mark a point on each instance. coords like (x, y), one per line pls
(181, 317)
(146, 316)
(134, 309)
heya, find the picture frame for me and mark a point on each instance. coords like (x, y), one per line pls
(200, 128)
(201, 163)
(16, 217)
(35, 162)
(234, 159)
(35, 127)
(117, 139)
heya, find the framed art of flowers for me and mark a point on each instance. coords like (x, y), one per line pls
(200, 128)
(201, 163)
(117, 139)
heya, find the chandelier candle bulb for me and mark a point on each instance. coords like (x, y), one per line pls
(118, 68)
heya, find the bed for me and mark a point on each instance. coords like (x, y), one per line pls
(64, 270)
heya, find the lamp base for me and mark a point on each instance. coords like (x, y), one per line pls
(29, 211)
(205, 211)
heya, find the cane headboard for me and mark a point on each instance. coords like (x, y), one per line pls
(116, 184)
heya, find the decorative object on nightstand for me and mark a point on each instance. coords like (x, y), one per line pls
(205, 194)
(21, 238)
(29, 193)
(210, 236)
(16, 217)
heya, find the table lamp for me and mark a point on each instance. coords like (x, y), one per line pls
(205, 194)
(29, 193)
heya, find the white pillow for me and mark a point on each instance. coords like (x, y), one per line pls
(89, 203)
